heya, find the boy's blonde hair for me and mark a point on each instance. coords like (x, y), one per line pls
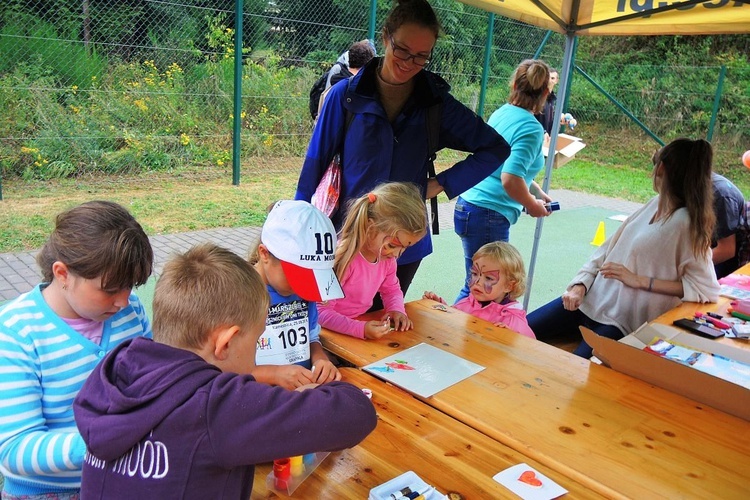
(205, 288)
(510, 263)
(389, 208)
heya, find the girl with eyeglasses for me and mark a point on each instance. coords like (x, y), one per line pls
(380, 121)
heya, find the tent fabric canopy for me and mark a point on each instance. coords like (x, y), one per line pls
(626, 17)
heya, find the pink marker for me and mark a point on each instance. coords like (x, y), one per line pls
(716, 322)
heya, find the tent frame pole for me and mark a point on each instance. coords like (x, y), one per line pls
(549, 162)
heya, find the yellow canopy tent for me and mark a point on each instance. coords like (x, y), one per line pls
(614, 17)
(626, 17)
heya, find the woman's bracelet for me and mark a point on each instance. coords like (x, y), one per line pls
(651, 284)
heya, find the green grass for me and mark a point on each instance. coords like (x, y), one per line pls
(204, 198)
(162, 204)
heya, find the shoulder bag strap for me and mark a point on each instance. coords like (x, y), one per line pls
(433, 117)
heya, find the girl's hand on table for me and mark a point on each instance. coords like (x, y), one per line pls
(400, 321)
(376, 329)
(324, 371)
(433, 296)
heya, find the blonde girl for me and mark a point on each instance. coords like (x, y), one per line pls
(497, 279)
(379, 226)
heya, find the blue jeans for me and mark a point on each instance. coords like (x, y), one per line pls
(477, 226)
(553, 320)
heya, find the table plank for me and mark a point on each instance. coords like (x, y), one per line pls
(411, 435)
(608, 431)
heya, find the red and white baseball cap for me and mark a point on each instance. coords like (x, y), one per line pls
(304, 240)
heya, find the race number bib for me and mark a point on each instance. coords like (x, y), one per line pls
(286, 339)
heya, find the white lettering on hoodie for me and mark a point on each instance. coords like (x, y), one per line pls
(148, 459)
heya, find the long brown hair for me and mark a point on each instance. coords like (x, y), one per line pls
(389, 208)
(529, 85)
(99, 239)
(687, 183)
(417, 12)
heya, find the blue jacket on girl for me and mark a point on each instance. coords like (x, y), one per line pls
(376, 150)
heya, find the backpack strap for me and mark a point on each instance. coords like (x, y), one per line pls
(432, 120)
(347, 120)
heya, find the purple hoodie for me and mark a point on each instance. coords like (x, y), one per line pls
(161, 422)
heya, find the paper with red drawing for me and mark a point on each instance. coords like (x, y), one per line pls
(528, 483)
(423, 369)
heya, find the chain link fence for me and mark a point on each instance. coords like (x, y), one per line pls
(120, 87)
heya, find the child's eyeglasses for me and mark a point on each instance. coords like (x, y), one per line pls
(405, 55)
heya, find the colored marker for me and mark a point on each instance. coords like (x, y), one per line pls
(420, 495)
(740, 315)
(296, 465)
(400, 493)
(281, 473)
(715, 322)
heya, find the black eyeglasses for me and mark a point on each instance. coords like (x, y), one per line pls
(405, 55)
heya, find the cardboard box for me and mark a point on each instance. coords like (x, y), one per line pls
(566, 148)
(627, 356)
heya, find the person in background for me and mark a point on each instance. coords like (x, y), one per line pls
(295, 261)
(52, 337)
(547, 116)
(498, 278)
(348, 65)
(391, 100)
(659, 256)
(379, 227)
(181, 416)
(350, 62)
(485, 212)
(730, 211)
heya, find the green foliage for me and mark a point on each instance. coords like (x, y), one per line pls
(144, 86)
(45, 51)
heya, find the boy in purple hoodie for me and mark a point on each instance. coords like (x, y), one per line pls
(180, 416)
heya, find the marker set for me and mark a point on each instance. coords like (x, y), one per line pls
(289, 473)
(407, 486)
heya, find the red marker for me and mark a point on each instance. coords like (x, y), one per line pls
(717, 323)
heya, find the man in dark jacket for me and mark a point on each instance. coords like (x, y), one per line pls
(547, 116)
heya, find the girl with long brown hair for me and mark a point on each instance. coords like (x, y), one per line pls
(659, 256)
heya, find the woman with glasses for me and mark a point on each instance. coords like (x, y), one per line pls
(659, 256)
(380, 121)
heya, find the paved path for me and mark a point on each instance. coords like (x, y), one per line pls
(19, 272)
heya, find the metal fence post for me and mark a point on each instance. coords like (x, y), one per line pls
(486, 67)
(717, 101)
(541, 45)
(373, 14)
(237, 119)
